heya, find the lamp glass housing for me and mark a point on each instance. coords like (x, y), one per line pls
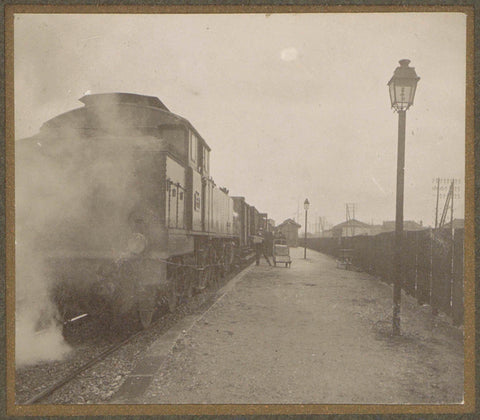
(402, 86)
(306, 204)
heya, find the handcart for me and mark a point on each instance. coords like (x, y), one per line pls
(281, 253)
(344, 258)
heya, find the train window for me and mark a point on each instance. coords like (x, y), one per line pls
(205, 159)
(174, 192)
(196, 202)
(175, 137)
(181, 195)
(193, 147)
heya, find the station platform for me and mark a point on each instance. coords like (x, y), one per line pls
(309, 334)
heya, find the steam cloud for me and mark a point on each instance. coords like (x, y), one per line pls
(73, 195)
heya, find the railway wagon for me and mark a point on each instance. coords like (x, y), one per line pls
(254, 220)
(242, 215)
(116, 199)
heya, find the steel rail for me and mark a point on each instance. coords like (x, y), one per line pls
(72, 375)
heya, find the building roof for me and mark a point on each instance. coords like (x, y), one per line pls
(120, 97)
(457, 224)
(350, 223)
(289, 222)
(407, 225)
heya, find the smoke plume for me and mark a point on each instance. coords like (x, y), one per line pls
(73, 196)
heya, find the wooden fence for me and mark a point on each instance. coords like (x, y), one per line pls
(432, 264)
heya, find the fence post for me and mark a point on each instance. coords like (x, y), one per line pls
(408, 262)
(457, 287)
(423, 267)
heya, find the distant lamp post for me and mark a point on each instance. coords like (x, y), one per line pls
(402, 88)
(306, 205)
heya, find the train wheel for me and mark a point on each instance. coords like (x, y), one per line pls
(180, 281)
(147, 305)
(172, 297)
(214, 274)
(189, 276)
(229, 257)
(214, 269)
(207, 277)
(189, 290)
(223, 261)
(201, 277)
(145, 318)
(185, 279)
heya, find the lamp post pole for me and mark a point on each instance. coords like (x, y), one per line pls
(306, 204)
(402, 87)
(397, 284)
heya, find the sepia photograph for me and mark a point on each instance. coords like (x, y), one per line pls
(243, 208)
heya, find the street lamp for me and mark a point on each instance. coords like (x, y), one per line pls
(402, 88)
(306, 205)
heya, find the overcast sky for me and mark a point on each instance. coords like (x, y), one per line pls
(292, 105)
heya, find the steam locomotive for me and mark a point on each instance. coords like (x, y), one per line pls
(116, 204)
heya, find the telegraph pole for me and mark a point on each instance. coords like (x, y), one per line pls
(306, 205)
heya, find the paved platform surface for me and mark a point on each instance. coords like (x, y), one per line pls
(310, 334)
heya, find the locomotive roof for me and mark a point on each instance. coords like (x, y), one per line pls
(120, 97)
(119, 110)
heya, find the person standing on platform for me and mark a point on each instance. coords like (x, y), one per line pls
(268, 245)
(259, 243)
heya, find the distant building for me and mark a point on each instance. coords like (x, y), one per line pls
(326, 234)
(457, 224)
(355, 228)
(389, 226)
(351, 227)
(289, 229)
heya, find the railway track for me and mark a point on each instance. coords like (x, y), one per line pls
(95, 378)
(57, 385)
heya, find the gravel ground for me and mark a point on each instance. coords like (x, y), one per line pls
(100, 382)
(86, 338)
(312, 334)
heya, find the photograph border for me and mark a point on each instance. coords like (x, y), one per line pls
(239, 409)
